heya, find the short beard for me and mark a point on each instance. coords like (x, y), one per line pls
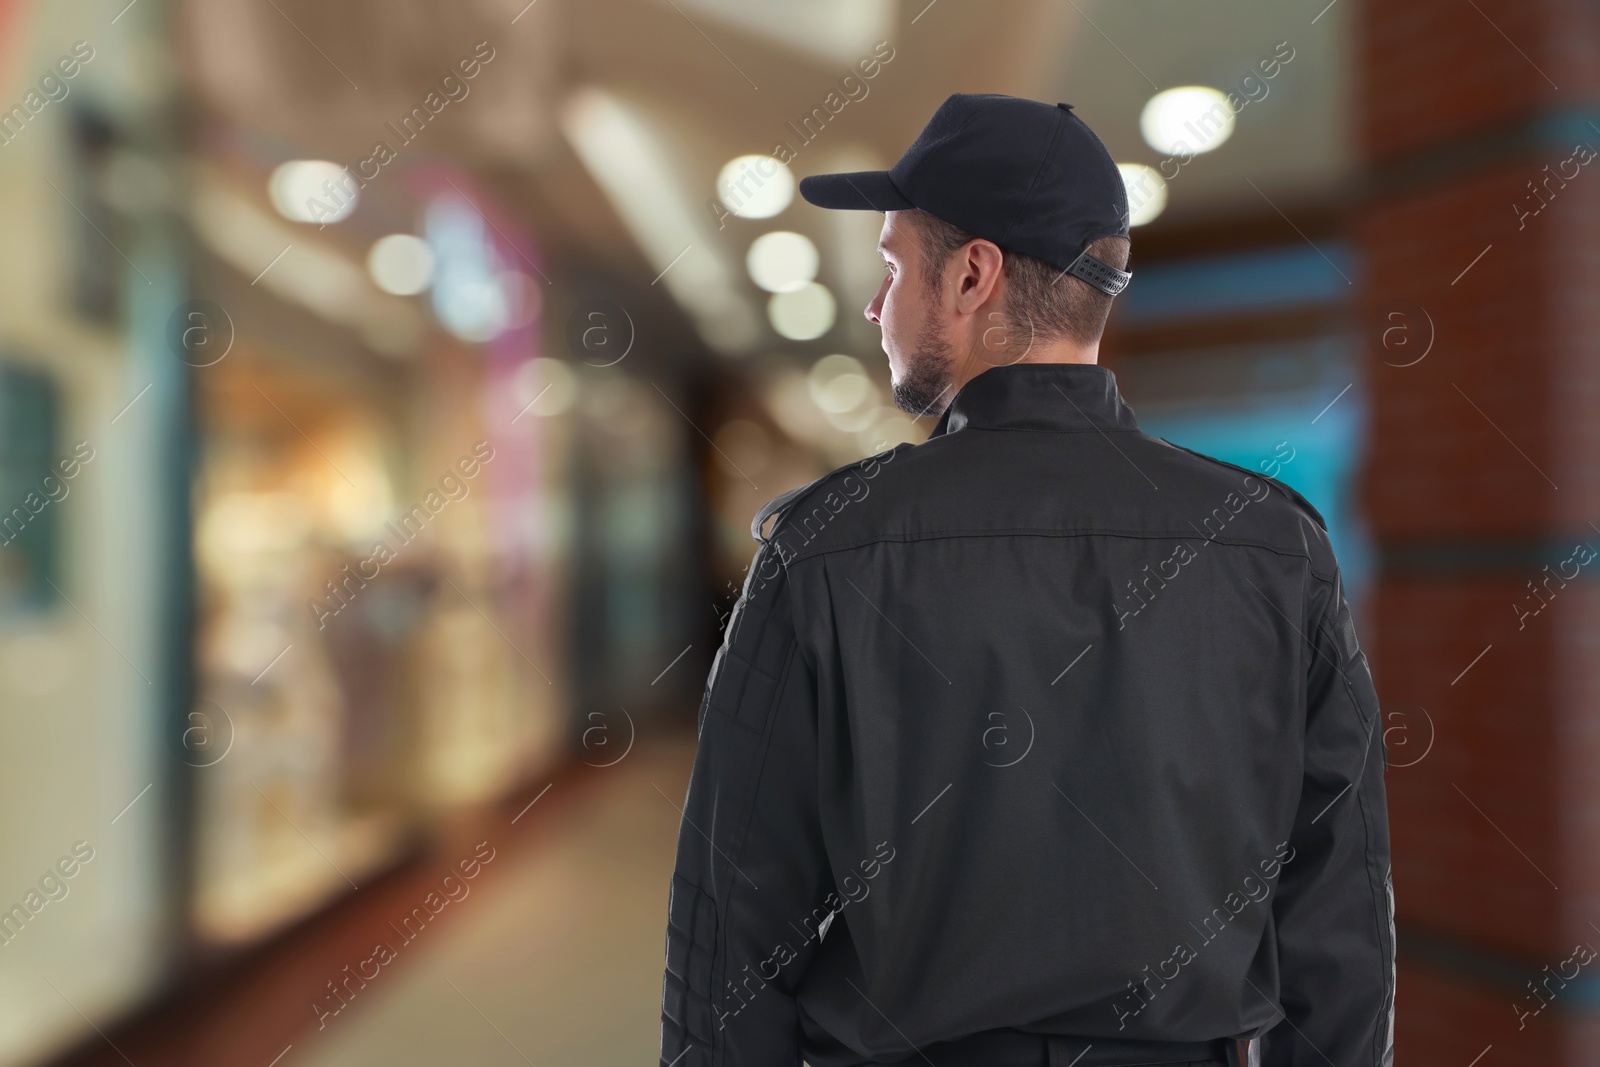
(927, 378)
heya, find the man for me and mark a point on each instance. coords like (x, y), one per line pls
(1044, 741)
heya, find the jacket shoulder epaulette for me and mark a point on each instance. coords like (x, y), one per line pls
(778, 505)
(1287, 490)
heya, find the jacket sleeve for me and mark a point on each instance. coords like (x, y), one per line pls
(1334, 912)
(751, 868)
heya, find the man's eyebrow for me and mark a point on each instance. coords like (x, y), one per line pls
(882, 248)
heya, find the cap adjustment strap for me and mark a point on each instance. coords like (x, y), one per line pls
(1100, 274)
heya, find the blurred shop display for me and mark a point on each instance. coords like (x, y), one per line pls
(294, 804)
(282, 532)
(376, 654)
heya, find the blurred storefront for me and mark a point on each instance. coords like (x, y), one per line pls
(376, 649)
(310, 530)
(94, 586)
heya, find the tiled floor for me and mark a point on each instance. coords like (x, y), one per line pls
(557, 961)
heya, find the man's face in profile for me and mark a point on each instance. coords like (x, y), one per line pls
(910, 311)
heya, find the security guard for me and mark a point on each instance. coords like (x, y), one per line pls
(1044, 742)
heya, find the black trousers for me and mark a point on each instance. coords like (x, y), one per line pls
(1014, 1048)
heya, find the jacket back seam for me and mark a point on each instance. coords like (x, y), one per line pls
(940, 535)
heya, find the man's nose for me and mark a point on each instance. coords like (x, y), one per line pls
(872, 310)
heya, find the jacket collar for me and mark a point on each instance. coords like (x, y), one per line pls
(1039, 396)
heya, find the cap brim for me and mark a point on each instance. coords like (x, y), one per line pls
(861, 190)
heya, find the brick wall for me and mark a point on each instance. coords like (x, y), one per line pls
(1484, 467)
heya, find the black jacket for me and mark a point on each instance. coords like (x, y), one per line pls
(1042, 724)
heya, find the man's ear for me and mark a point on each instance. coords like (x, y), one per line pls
(979, 276)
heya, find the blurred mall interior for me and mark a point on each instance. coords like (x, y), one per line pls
(387, 386)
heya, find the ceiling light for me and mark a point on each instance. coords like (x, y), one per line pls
(400, 264)
(312, 190)
(313, 274)
(632, 156)
(1186, 121)
(755, 187)
(467, 295)
(835, 31)
(1147, 193)
(838, 383)
(781, 262)
(803, 314)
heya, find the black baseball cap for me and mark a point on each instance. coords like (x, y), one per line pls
(1029, 176)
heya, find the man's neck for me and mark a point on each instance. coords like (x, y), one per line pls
(1051, 352)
